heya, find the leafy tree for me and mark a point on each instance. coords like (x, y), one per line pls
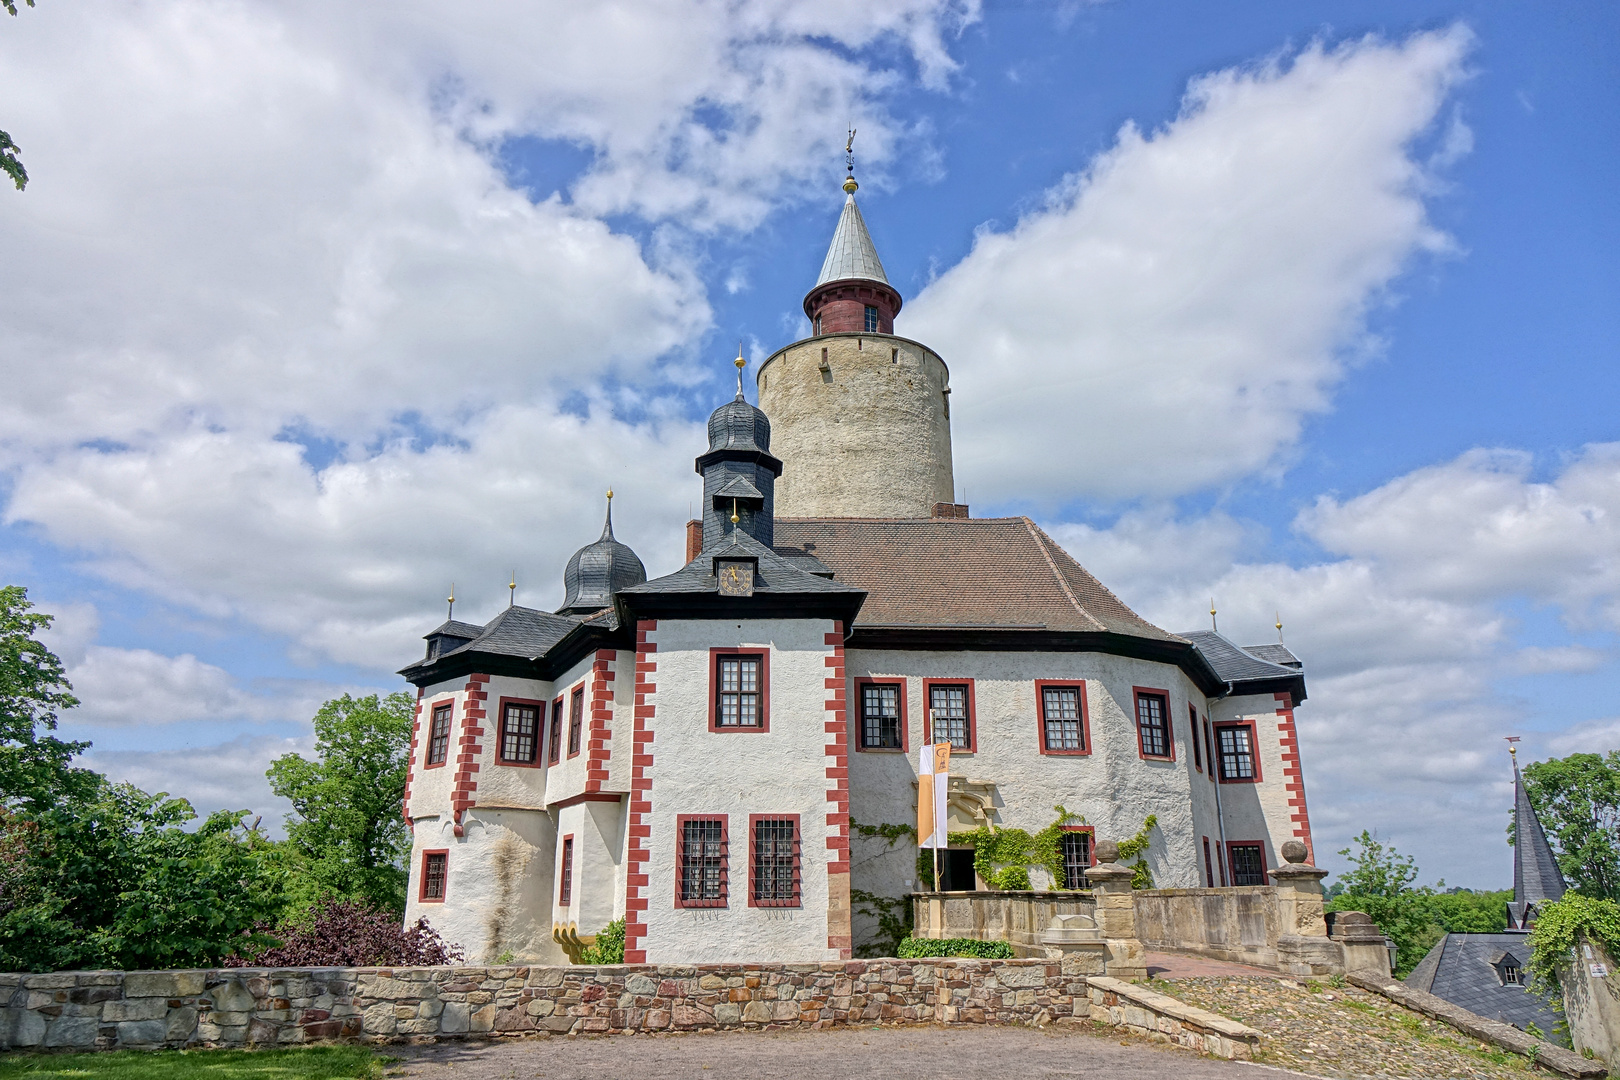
(34, 766)
(346, 828)
(1464, 911)
(1577, 800)
(1380, 883)
(9, 164)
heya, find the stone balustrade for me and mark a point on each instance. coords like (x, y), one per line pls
(1017, 917)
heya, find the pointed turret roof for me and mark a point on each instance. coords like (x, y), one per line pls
(851, 254)
(1536, 877)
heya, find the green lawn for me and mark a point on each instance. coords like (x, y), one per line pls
(312, 1063)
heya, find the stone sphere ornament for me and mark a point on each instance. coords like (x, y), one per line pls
(1294, 851)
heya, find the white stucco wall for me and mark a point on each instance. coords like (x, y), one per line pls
(779, 771)
(500, 784)
(430, 787)
(566, 779)
(1258, 811)
(598, 887)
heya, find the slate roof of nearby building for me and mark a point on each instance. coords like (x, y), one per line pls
(1002, 573)
(851, 254)
(1275, 654)
(1459, 969)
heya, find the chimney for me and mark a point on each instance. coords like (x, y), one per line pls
(694, 539)
(950, 510)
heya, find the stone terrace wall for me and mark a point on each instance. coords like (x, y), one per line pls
(1239, 923)
(113, 1009)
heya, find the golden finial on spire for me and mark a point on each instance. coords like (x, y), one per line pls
(734, 517)
(1212, 624)
(1513, 750)
(849, 163)
(452, 601)
(1279, 628)
(610, 494)
(741, 363)
(512, 591)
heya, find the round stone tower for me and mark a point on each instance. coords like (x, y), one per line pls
(861, 418)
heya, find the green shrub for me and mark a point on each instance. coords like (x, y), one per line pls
(917, 948)
(608, 948)
(1562, 924)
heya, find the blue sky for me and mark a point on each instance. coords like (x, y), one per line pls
(1307, 307)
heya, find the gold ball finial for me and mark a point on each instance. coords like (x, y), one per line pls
(850, 185)
(734, 517)
(610, 493)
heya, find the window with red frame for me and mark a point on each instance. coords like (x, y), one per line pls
(1248, 864)
(1153, 724)
(737, 701)
(948, 717)
(774, 861)
(702, 862)
(1076, 859)
(565, 889)
(880, 716)
(554, 754)
(520, 733)
(1061, 722)
(1236, 743)
(434, 864)
(438, 748)
(1209, 870)
(1209, 748)
(1192, 717)
(576, 719)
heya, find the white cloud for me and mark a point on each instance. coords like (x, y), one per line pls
(227, 776)
(1172, 316)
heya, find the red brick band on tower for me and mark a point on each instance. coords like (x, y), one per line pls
(1293, 774)
(841, 306)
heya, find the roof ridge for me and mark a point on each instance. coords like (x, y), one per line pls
(1098, 582)
(1037, 536)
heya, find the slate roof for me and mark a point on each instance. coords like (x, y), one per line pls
(517, 631)
(776, 574)
(1234, 663)
(851, 254)
(1275, 654)
(1459, 970)
(1002, 573)
(1536, 877)
(457, 629)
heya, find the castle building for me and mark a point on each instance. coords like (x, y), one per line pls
(711, 755)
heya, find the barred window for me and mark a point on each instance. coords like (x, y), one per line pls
(703, 862)
(433, 874)
(1153, 724)
(565, 888)
(775, 870)
(576, 720)
(737, 703)
(520, 733)
(1076, 859)
(871, 319)
(439, 735)
(1237, 751)
(880, 716)
(1060, 717)
(555, 752)
(948, 716)
(1248, 864)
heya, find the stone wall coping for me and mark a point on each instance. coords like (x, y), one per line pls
(1169, 1006)
(1556, 1058)
(1029, 894)
(1220, 890)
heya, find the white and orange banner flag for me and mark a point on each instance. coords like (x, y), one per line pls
(933, 779)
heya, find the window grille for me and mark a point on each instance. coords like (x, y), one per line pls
(1152, 721)
(1076, 859)
(1060, 712)
(703, 862)
(737, 703)
(520, 733)
(555, 751)
(1248, 864)
(439, 735)
(565, 889)
(576, 720)
(1237, 752)
(871, 319)
(433, 867)
(880, 717)
(775, 870)
(948, 716)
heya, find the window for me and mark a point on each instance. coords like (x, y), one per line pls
(555, 751)
(883, 716)
(576, 719)
(1248, 864)
(1076, 858)
(439, 734)
(565, 884)
(1209, 748)
(1063, 718)
(950, 714)
(1209, 870)
(738, 691)
(1153, 724)
(1236, 744)
(434, 865)
(1192, 720)
(520, 732)
(871, 319)
(702, 861)
(773, 861)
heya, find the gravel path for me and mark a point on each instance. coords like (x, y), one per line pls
(843, 1054)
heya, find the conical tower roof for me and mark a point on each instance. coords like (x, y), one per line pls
(851, 254)
(1536, 877)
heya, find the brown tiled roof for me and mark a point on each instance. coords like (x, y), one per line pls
(1002, 573)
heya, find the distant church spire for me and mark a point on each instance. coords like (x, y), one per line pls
(1536, 877)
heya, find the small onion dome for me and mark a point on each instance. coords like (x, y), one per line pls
(599, 570)
(737, 425)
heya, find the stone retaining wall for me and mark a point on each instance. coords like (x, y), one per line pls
(104, 1010)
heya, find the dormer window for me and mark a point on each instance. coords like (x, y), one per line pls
(1509, 972)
